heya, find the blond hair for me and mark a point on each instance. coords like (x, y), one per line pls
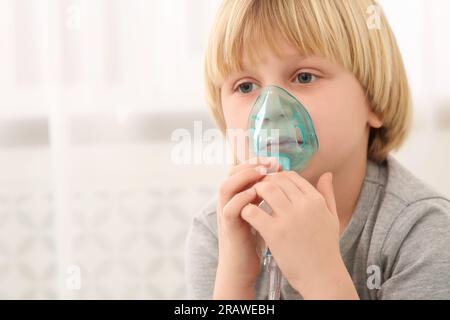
(337, 30)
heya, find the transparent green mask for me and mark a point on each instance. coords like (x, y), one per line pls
(281, 127)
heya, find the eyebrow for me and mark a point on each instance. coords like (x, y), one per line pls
(287, 59)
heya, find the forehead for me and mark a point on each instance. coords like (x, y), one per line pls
(282, 51)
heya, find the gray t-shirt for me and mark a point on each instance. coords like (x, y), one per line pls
(396, 246)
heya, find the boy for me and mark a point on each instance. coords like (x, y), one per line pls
(354, 224)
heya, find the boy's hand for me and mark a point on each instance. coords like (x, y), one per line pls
(303, 234)
(239, 264)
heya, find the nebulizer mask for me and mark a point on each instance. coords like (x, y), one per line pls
(281, 127)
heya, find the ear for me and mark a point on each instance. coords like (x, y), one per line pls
(374, 120)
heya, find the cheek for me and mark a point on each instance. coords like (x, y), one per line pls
(339, 113)
(236, 112)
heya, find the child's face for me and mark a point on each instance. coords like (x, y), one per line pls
(332, 95)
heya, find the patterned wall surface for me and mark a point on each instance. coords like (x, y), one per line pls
(124, 227)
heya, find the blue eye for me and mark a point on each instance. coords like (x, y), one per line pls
(246, 87)
(306, 77)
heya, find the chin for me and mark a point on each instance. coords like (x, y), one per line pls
(312, 172)
(308, 173)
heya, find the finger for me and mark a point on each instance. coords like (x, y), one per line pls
(240, 181)
(272, 194)
(232, 210)
(258, 219)
(286, 185)
(300, 182)
(253, 162)
(325, 187)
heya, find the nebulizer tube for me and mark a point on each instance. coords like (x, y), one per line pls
(281, 127)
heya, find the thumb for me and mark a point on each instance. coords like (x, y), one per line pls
(325, 187)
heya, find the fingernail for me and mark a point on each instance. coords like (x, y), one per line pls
(265, 161)
(273, 161)
(261, 170)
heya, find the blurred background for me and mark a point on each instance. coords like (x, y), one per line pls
(91, 204)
